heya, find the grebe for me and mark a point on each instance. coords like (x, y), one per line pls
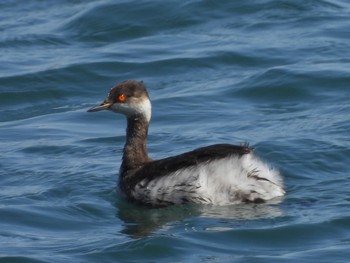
(220, 174)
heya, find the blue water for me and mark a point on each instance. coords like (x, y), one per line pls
(275, 74)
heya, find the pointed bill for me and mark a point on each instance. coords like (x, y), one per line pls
(103, 106)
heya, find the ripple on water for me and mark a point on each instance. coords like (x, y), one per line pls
(271, 73)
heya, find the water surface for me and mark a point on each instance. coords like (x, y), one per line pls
(271, 73)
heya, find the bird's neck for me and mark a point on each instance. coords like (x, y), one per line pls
(135, 149)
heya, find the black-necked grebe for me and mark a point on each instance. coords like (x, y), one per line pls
(220, 174)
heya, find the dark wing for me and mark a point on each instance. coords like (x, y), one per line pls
(162, 167)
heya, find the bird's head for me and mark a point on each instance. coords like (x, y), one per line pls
(130, 98)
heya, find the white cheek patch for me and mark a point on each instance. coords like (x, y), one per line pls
(142, 108)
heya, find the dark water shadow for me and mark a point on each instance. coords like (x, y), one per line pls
(142, 222)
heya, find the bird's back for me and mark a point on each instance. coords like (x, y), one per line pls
(219, 174)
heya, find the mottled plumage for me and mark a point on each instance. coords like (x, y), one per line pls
(219, 174)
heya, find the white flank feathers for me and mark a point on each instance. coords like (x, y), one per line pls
(226, 181)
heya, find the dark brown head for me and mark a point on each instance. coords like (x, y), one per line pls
(130, 98)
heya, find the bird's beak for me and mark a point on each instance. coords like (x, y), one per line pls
(103, 106)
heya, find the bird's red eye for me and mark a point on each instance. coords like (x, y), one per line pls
(121, 98)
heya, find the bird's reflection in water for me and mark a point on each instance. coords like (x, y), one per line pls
(142, 221)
